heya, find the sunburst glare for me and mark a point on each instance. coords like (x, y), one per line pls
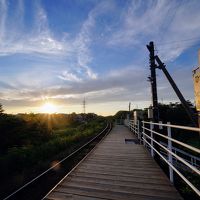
(48, 108)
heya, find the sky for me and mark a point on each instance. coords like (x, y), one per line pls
(64, 51)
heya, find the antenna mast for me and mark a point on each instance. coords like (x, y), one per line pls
(84, 105)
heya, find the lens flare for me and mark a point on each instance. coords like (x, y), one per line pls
(48, 108)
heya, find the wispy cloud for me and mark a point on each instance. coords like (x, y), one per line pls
(82, 44)
(3, 13)
(116, 86)
(159, 21)
(38, 40)
(84, 39)
(140, 20)
(5, 85)
(69, 76)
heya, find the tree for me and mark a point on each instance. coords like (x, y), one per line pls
(1, 109)
(121, 114)
(175, 113)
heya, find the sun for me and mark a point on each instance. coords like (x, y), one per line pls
(48, 108)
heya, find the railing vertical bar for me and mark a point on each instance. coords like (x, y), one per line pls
(143, 130)
(151, 128)
(160, 125)
(138, 128)
(170, 158)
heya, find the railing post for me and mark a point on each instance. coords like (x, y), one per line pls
(151, 128)
(131, 126)
(143, 131)
(138, 129)
(134, 129)
(195, 162)
(170, 158)
(192, 162)
(160, 125)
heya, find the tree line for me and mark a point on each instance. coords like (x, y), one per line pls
(30, 142)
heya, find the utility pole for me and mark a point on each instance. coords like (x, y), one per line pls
(153, 59)
(152, 79)
(185, 105)
(153, 82)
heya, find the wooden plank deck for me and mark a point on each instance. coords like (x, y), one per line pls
(115, 170)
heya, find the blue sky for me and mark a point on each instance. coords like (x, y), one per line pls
(62, 51)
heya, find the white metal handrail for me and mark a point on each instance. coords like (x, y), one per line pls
(175, 155)
(133, 127)
(175, 126)
(143, 136)
(193, 159)
(183, 177)
(176, 141)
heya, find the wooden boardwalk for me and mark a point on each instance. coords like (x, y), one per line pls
(116, 170)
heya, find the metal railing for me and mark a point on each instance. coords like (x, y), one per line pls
(147, 137)
(193, 160)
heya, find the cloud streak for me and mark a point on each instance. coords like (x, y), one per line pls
(40, 41)
(115, 86)
(69, 76)
(161, 22)
(3, 13)
(84, 39)
(15, 40)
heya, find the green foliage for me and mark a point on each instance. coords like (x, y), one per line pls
(175, 113)
(184, 189)
(28, 140)
(120, 114)
(16, 132)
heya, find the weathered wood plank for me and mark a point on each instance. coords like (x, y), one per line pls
(154, 192)
(132, 176)
(110, 194)
(131, 168)
(131, 183)
(135, 178)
